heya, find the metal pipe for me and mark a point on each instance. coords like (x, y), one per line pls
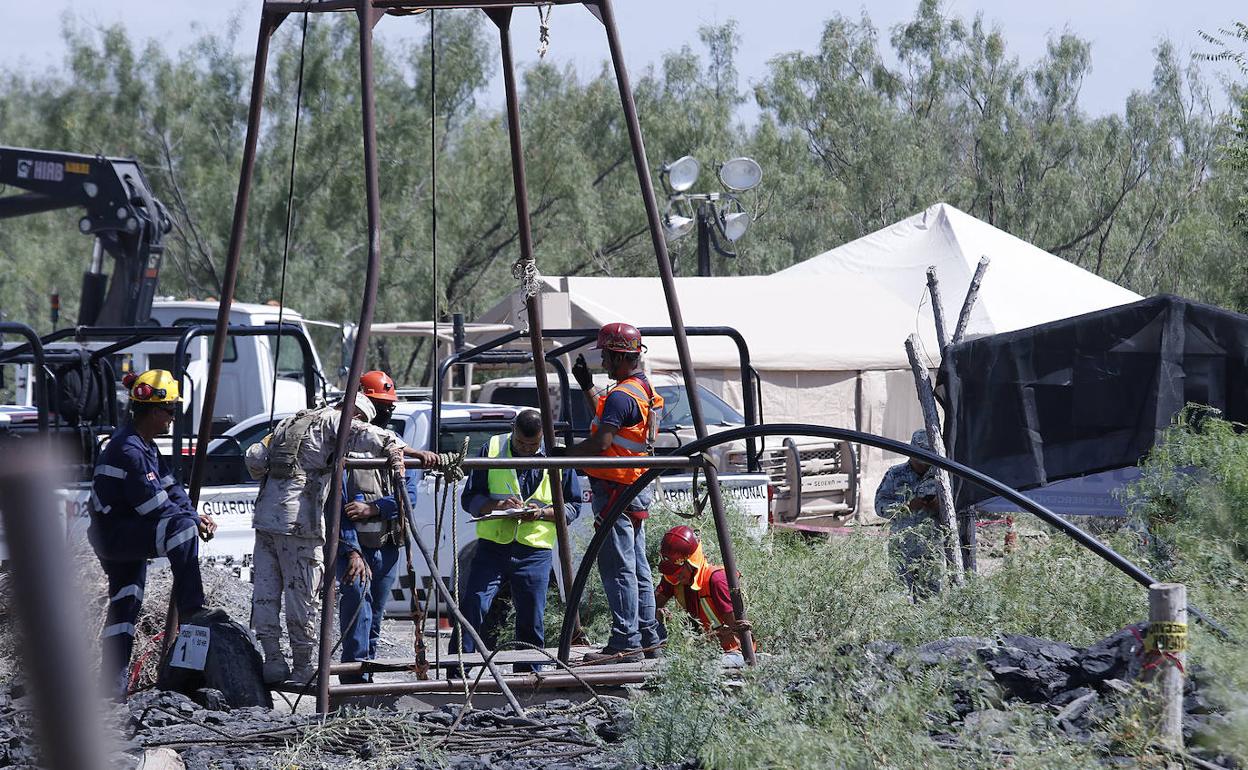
(665, 462)
(464, 626)
(520, 682)
(54, 656)
(191, 332)
(333, 504)
(229, 282)
(532, 304)
(673, 310)
(331, 6)
(749, 388)
(844, 434)
(268, 23)
(435, 419)
(40, 364)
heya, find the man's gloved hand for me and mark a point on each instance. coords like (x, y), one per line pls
(557, 451)
(581, 373)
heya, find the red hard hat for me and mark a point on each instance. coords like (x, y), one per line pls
(620, 337)
(378, 385)
(679, 543)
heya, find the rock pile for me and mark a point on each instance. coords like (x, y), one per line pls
(1080, 689)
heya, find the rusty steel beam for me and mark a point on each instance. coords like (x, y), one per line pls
(532, 304)
(368, 18)
(516, 682)
(405, 6)
(607, 15)
(269, 21)
(665, 462)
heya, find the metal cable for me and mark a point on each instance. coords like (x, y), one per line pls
(290, 209)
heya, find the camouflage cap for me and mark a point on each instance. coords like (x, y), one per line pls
(919, 439)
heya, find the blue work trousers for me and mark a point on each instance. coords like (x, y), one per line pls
(123, 545)
(626, 578)
(362, 606)
(527, 570)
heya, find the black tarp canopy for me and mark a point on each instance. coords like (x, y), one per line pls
(1089, 393)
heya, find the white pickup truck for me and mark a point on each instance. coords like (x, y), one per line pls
(808, 477)
(231, 495)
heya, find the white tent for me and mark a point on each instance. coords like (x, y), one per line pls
(827, 334)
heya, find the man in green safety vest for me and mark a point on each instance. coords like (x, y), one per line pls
(515, 532)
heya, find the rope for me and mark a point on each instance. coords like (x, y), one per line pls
(418, 614)
(459, 637)
(543, 30)
(525, 271)
(290, 215)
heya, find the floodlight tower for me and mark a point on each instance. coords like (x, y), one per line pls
(714, 213)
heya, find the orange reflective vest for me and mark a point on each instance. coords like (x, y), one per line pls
(633, 440)
(703, 610)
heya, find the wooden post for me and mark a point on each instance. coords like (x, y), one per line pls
(972, 294)
(1165, 658)
(931, 421)
(938, 310)
(968, 538)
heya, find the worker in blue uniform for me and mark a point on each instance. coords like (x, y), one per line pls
(139, 512)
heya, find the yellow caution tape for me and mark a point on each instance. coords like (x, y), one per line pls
(1166, 637)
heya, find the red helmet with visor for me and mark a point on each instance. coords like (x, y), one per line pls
(620, 337)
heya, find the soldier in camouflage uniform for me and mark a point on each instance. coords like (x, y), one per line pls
(907, 498)
(294, 465)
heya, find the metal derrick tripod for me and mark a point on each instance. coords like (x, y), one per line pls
(369, 12)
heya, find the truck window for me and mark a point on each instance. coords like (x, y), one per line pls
(289, 361)
(526, 395)
(231, 352)
(676, 408)
(452, 437)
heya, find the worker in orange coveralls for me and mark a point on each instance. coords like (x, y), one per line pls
(701, 588)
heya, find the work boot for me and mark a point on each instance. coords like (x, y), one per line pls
(656, 652)
(305, 667)
(276, 670)
(303, 675)
(610, 654)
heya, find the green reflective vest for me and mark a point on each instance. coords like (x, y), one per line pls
(503, 483)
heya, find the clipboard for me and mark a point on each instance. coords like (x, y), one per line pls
(509, 513)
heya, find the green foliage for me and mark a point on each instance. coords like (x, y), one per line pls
(817, 698)
(863, 130)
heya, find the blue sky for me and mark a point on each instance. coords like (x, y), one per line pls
(1123, 33)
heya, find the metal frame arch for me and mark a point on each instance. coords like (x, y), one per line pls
(858, 437)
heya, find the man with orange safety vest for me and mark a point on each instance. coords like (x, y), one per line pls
(626, 421)
(701, 588)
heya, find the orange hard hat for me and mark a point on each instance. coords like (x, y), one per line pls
(620, 337)
(378, 385)
(677, 547)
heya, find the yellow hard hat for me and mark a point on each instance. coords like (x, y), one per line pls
(155, 386)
